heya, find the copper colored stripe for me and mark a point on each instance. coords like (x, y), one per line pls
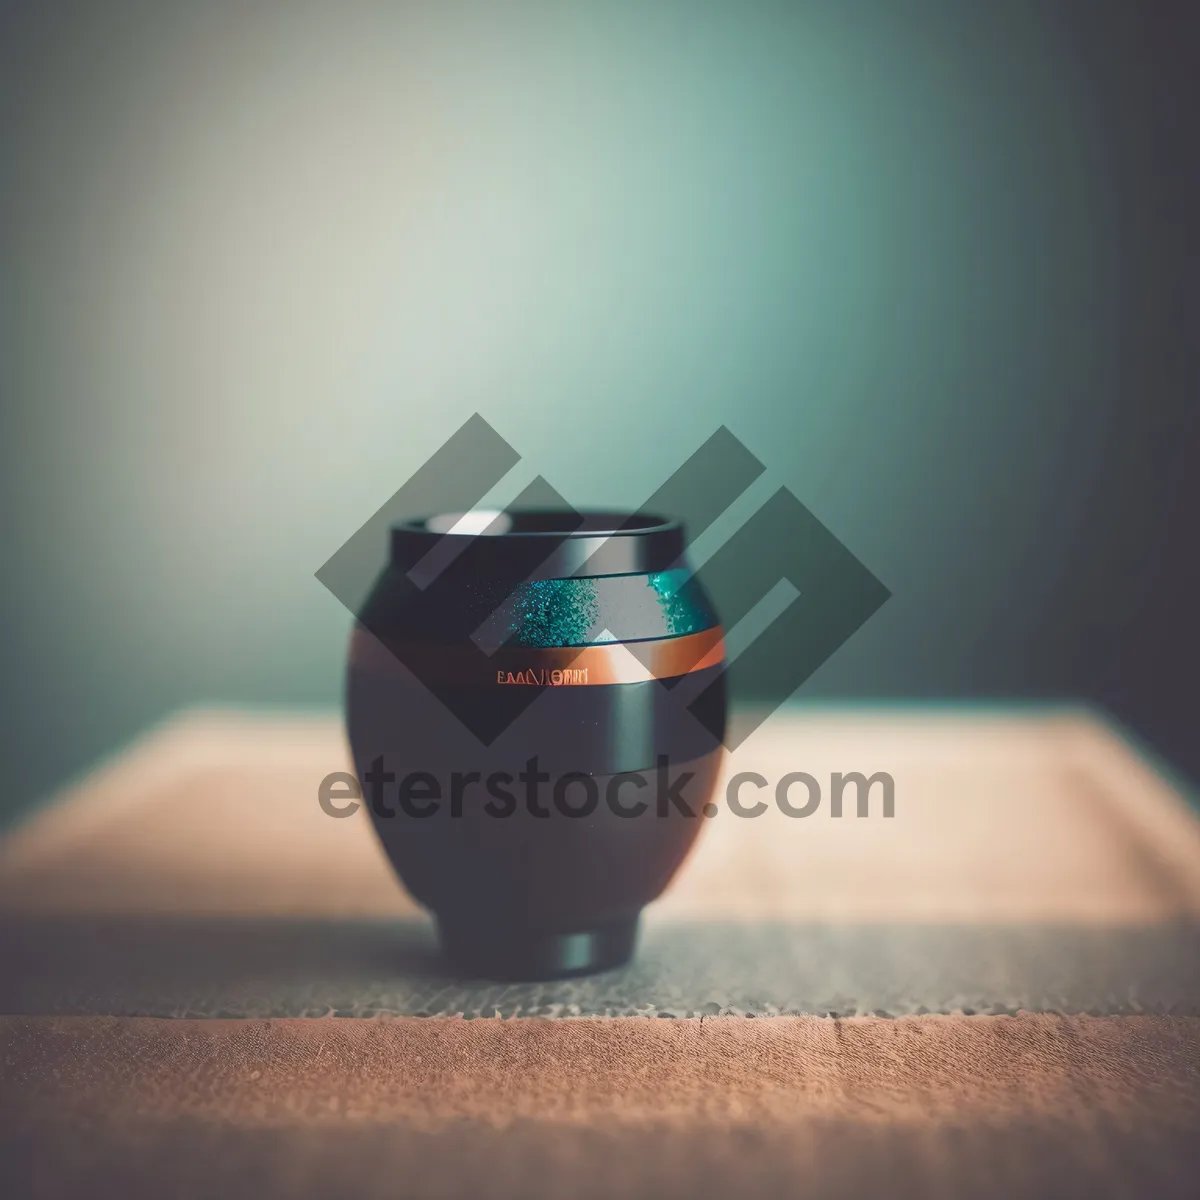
(614, 662)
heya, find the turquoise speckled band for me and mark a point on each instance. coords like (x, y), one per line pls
(609, 608)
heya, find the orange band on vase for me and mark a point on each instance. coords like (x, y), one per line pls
(540, 666)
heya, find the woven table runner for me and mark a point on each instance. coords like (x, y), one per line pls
(209, 983)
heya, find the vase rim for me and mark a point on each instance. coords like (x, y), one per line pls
(551, 543)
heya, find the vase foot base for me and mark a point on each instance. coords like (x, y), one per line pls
(512, 955)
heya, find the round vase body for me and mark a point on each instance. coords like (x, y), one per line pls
(536, 715)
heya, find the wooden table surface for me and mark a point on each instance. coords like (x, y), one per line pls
(208, 984)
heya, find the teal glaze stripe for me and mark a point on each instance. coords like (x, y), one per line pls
(583, 612)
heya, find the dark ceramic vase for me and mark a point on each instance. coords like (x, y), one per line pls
(536, 715)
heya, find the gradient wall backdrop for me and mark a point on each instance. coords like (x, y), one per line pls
(935, 264)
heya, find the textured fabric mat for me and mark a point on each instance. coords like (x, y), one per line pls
(1033, 862)
(190, 967)
(1035, 866)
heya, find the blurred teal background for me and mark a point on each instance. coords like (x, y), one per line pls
(934, 264)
